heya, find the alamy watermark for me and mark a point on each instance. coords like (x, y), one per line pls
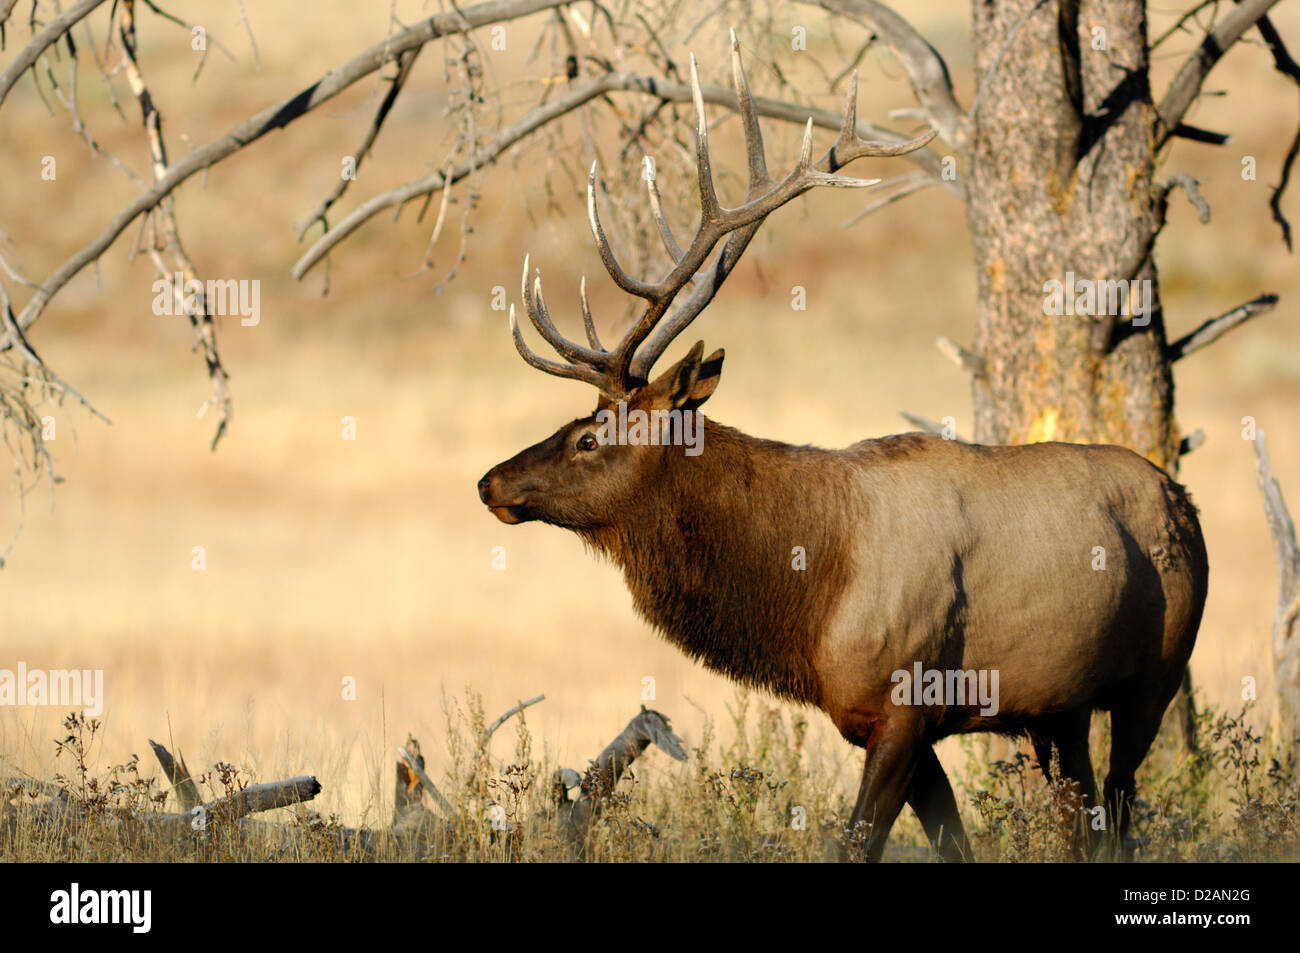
(63, 688)
(1092, 296)
(651, 428)
(946, 687)
(177, 295)
(133, 908)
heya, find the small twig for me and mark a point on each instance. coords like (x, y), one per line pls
(396, 85)
(911, 182)
(507, 715)
(1190, 186)
(967, 360)
(55, 29)
(1215, 328)
(1191, 442)
(1287, 66)
(929, 426)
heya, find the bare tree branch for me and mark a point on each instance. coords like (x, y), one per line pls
(505, 716)
(1215, 328)
(178, 775)
(415, 764)
(1191, 442)
(1287, 66)
(199, 309)
(396, 85)
(967, 360)
(1186, 85)
(1178, 24)
(926, 70)
(646, 728)
(1286, 613)
(928, 426)
(257, 798)
(609, 82)
(277, 117)
(1188, 185)
(41, 42)
(905, 185)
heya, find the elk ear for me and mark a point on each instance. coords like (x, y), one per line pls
(689, 382)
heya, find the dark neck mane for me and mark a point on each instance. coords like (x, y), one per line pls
(707, 547)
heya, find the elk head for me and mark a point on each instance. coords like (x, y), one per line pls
(579, 477)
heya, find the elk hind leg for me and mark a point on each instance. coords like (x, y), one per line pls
(1133, 727)
(1068, 734)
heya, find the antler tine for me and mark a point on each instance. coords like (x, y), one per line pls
(758, 174)
(621, 278)
(618, 372)
(851, 146)
(656, 208)
(587, 323)
(805, 148)
(540, 315)
(709, 208)
(572, 371)
(707, 284)
(849, 127)
(715, 222)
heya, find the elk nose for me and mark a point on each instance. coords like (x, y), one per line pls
(484, 486)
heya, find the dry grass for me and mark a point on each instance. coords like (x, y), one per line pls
(372, 559)
(762, 796)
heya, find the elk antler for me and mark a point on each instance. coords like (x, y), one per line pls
(619, 372)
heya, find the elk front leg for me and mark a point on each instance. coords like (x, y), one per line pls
(893, 750)
(932, 799)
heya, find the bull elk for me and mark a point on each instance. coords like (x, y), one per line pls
(915, 553)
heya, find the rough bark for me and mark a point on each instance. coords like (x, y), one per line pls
(1059, 161)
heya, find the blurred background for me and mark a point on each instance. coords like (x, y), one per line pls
(372, 558)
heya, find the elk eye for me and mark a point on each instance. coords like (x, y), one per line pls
(587, 442)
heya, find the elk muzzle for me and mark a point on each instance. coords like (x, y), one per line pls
(505, 506)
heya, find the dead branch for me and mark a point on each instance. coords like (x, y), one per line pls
(1215, 328)
(1191, 442)
(415, 763)
(10, 783)
(1286, 614)
(1188, 185)
(505, 716)
(254, 799)
(277, 117)
(178, 775)
(1287, 66)
(664, 90)
(967, 360)
(928, 426)
(646, 728)
(1186, 85)
(925, 68)
(396, 84)
(200, 313)
(55, 29)
(1181, 21)
(905, 185)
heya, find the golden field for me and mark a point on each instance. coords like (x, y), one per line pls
(372, 558)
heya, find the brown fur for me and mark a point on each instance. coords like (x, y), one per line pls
(918, 550)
